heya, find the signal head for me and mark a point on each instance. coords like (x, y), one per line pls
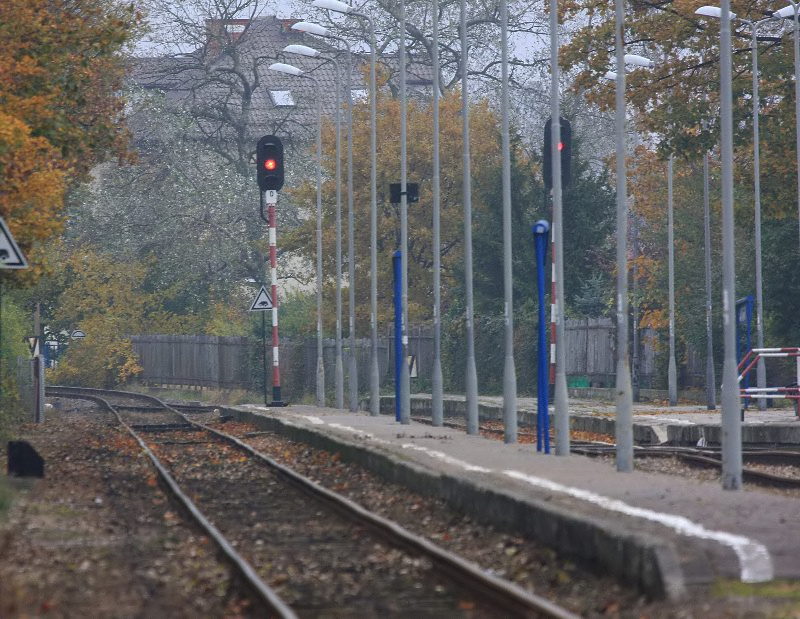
(269, 158)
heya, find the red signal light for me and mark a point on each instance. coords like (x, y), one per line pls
(560, 146)
(270, 164)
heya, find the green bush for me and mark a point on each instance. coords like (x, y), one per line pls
(13, 329)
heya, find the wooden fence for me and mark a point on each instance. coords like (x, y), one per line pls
(237, 362)
(194, 360)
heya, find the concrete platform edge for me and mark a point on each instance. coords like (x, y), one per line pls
(685, 434)
(648, 563)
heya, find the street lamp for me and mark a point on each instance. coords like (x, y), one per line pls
(304, 50)
(318, 30)
(761, 372)
(561, 406)
(341, 7)
(624, 403)
(672, 368)
(509, 370)
(731, 423)
(471, 378)
(437, 412)
(405, 383)
(793, 11)
(289, 69)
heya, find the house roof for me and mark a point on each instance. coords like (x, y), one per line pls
(211, 77)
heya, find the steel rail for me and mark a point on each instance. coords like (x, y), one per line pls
(712, 460)
(502, 593)
(264, 594)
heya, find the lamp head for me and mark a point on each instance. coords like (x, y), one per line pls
(311, 28)
(713, 11)
(285, 68)
(639, 61)
(332, 5)
(302, 50)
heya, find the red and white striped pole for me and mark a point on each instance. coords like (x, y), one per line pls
(272, 199)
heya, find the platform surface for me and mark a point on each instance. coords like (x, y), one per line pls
(697, 531)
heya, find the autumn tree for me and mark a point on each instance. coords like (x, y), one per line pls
(61, 66)
(181, 204)
(485, 143)
(676, 106)
(61, 69)
(108, 299)
(590, 204)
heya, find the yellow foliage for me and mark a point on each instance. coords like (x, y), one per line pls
(486, 158)
(106, 298)
(31, 184)
(61, 67)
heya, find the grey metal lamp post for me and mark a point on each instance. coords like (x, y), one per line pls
(294, 71)
(624, 403)
(471, 378)
(731, 424)
(405, 384)
(672, 368)
(304, 50)
(711, 383)
(761, 372)
(318, 30)
(672, 371)
(793, 10)
(341, 7)
(437, 407)
(560, 393)
(509, 370)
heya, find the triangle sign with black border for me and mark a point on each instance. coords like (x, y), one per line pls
(262, 302)
(10, 255)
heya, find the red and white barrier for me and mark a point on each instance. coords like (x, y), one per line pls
(791, 392)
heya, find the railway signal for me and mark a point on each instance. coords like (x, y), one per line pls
(269, 161)
(564, 147)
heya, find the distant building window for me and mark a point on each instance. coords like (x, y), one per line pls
(282, 98)
(359, 94)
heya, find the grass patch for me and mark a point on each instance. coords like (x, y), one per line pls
(778, 599)
(230, 397)
(6, 496)
(776, 589)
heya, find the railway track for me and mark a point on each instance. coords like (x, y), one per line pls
(787, 460)
(759, 469)
(301, 549)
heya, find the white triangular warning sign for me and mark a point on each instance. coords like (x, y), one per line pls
(262, 302)
(10, 255)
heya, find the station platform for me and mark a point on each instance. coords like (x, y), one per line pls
(653, 423)
(663, 534)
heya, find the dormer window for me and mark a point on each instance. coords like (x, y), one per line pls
(359, 95)
(282, 98)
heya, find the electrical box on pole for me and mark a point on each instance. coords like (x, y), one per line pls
(395, 193)
(269, 161)
(564, 148)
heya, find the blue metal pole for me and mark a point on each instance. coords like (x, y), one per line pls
(541, 230)
(397, 265)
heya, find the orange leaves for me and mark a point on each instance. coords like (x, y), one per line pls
(31, 183)
(486, 157)
(60, 74)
